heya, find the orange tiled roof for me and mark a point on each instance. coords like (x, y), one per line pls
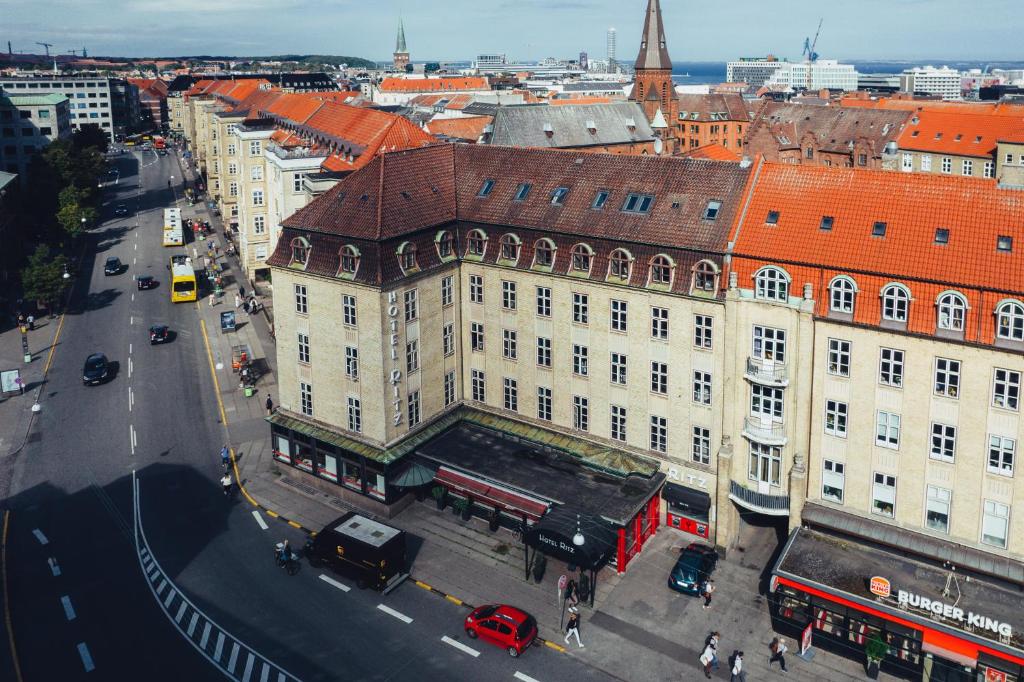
(363, 133)
(465, 128)
(713, 151)
(959, 134)
(434, 84)
(990, 108)
(294, 107)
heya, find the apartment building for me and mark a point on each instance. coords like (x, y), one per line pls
(152, 93)
(713, 119)
(753, 71)
(961, 142)
(110, 103)
(28, 123)
(819, 75)
(945, 82)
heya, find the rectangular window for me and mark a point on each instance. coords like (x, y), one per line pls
(766, 402)
(476, 289)
(1006, 389)
(883, 495)
(1000, 455)
(523, 191)
(355, 415)
(259, 224)
(659, 434)
(659, 323)
(937, 512)
(508, 295)
(412, 357)
(348, 310)
(479, 385)
(770, 344)
(543, 351)
(943, 442)
(544, 403)
(256, 172)
(301, 302)
(967, 167)
(447, 287)
(544, 301)
(989, 169)
(303, 346)
(833, 481)
(887, 430)
(257, 197)
(926, 163)
(580, 413)
(890, 369)
(351, 362)
(701, 445)
(659, 377)
(255, 148)
(511, 390)
(702, 331)
(580, 308)
(947, 377)
(835, 418)
(232, 168)
(947, 164)
(306, 398)
(995, 524)
(839, 357)
(618, 310)
(449, 388)
(599, 200)
(637, 203)
(509, 344)
(701, 387)
(908, 162)
(297, 182)
(765, 464)
(448, 338)
(476, 336)
(618, 422)
(618, 370)
(233, 189)
(414, 408)
(580, 361)
(411, 305)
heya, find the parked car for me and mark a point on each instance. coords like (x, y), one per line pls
(158, 333)
(146, 282)
(121, 209)
(96, 369)
(112, 266)
(512, 629)
(695, 565)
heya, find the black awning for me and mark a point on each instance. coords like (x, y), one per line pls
(686, 500)
(553, 535)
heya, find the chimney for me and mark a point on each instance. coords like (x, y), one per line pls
(548, 130)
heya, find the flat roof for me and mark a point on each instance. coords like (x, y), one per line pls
(366, 530)
(33, 100)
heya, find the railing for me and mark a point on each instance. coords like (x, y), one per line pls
(294, 152)
(773, 505)
(767, 372)
(765, 431)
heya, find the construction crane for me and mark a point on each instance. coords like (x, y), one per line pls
(809, 52)
(46, 46)
(72, 52)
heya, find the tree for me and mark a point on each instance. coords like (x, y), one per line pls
(91, 135)
(73, 207)
(43, 278)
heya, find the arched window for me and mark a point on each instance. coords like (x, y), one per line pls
(771, 284)
(300, 251)
(581, 255)
(952, 311)
(544, 253)
(841, 294)
(476, 243)
(895, 303)
(349, 259)
(509, 247)
(1010, 321)
(444, 244)
(705, 276)
(407, 256)
(618, 264)
(661, 270)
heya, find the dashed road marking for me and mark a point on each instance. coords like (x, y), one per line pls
(40, 537)
(524, 677)
(83, 653)
(460, 646)
(391, 612)
(331, 581)
(69, 610)
(54, 568)
(259, 519)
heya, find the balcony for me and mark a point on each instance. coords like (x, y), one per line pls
(290, 153)
(762, 503)
(767, 372)
(764, 430)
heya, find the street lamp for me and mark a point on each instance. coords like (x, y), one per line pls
(578, 538)
(66, 274)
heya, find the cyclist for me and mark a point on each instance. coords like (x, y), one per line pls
(225, 456)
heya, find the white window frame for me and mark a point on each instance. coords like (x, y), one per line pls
(1010, 321)
(703, 332)
(618, 374)
(508, 294)
(700, 445)
(543, 301)
(448, 338)
(943, 442)
(355, 415)
(833, 478)
(476, 289)
(301, 299)
(842, 295)
(887, 430)
(659, 434)
(580, 360)
(771, 284)
(544, 403)
(447, 290)
(449, 388)
(479, 384)
(581, 413)
(836, 418)
(302, 346)
(617, 430)
(702, 387)
(951, 311)
(947, 378)
(580, 308)
(893, 365)
(619, 311)
(412, 305)
(895, 303)
(352, 363)
(476, 336)
(413, 404)
(839, 351)
(883, 491)
(306, 398)
(995, 515)
(1006, 388)
(510, 390)
(1002, 453)
(543, 351)
(659, 323)
(659, 377)
(769, 343)
(938, 501)
(509, 344)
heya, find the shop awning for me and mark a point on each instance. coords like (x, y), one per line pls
(553, 535)
(686, 500)
(481, 490)
(413, 476)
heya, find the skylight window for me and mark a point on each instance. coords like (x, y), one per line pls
(485, 189)
(558, 195)
(772, 218)
(878, 229)
(638, 203)
(938, 136)
(941, 235)
(826, 222)
(915, 133)
(523, 191)
(711, 212)
(1004, 243)
(958, 137)
(599, 200)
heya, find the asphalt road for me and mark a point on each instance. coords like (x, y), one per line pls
(204, 596)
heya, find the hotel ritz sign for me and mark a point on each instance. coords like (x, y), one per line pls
(395, 377)
(880, 587)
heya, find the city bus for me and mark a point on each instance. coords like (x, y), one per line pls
(183, 280)
(173, 234)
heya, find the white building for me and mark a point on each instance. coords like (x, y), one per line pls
(825, 73)
(930, 80)
(611, 45)
(752, 70)
(106, 102)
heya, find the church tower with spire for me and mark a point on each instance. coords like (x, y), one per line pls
(401, 54)
(652, 83)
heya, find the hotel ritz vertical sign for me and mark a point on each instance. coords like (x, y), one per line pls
(395, 377)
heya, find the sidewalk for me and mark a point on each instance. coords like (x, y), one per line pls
(16, 409)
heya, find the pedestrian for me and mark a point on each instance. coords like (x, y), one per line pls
(225, 456)
(571, 593)
(707, 658)
(573, 626)
(21, 320)
(213, 299)
(241, 291)
(270, 405)
(712, 641)
(225, 483)
(31, 322)
(708, 589)
(238, 300)
(778, 649)
(738, 673)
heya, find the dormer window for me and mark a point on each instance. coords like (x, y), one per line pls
(771, 284)
(300, 251)
(600, 199)
(444, 244)
(878, 229)
(952, 311)
(407, 256)
(1004, 243)
(543, 253)
(618, 266)
(661, 270)
(558, 195)
(772, 218)
(637, 203)
(485, 189)
(895, 303)
(509, 247)
(476, 243)
(704, 276)
(712, 209)
(523, 191)
(581, 255)
(1010, 321)
(349, 259)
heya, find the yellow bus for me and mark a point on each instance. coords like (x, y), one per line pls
(183, 280)
(173, 234)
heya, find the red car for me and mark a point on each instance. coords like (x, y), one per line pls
(506, 626)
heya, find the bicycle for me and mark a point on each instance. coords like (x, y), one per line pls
(288, 560)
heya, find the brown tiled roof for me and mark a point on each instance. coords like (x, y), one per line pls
(835, 129)
(733, 106)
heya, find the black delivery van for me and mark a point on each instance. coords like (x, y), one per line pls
(365, 550)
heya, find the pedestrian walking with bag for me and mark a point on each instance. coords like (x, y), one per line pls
(707, 589)
(573, 626)
(712, 641)
(270, 405)
(778, 649)
(707, 658)
(238, 301)
(738, 673)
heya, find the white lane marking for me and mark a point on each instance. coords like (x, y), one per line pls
(391, 612)
(181, 611)
(131, 399)
(130, 345)
(206, 636)
(460, 646)
(133, 298)
(248, 667)
(192, 623)
(259, 519)
(131, 366)
(69, 610)
(136, 246)
(54, 568)
(524, 677)
(331, 581)
(233, 658)
(131, 319)
(219, 648)
(39, 536)
(134, 442)
(83, 653)
(280, 677)
(133, 261)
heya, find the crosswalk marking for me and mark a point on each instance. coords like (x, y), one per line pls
(233, 659)
(192, 623)
(249, 662)
(219, 648)
(206, 637)
(181, 612)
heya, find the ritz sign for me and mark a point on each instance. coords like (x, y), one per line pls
(395, 377)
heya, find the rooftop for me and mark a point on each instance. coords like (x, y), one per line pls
(959, 133)
(453, 84)
(567, 126)
(32, 100)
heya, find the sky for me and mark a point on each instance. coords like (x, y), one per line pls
(522, 29)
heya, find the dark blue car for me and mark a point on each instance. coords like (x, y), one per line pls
(695, 565)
